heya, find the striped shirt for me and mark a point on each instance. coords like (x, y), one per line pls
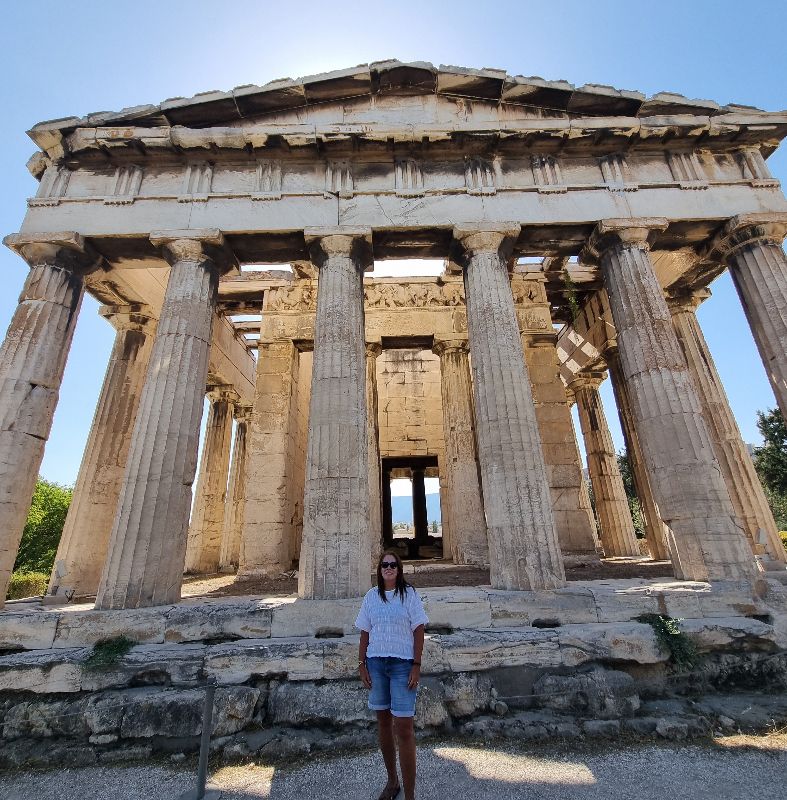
(390, 625)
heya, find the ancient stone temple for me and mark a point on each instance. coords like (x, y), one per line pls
(229, 236)
(230, 239)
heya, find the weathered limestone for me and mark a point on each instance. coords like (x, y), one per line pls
(751, 246)
(373, 349)
(684, 474)
(147, 548)
(523, 546)
(614, 515)
(85, 539)
(460, 479)
(743, 484)
(335, 552)
(656, 533)
(32, 359)
(268, 519)
(236, 494)
(203, 549)
(570, 504)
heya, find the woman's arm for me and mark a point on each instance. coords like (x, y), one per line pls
(362, 645)
(418, 649)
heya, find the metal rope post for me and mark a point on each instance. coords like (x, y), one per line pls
(201, 792)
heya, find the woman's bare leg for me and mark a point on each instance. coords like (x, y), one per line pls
(385, 735)
(405, 736)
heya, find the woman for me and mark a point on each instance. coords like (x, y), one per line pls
(391, 621)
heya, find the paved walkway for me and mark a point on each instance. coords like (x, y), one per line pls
(744, 767)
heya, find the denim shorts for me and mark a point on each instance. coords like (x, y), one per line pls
(389, 686)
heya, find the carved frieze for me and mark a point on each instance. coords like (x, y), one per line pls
(53, 186)
(339, 179)
(197, 182)
(409, 178)
(267, 184)
(479, 176)
(753, 167)
(125, 185)
(616, 173)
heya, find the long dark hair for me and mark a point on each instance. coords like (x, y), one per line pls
(401, 584)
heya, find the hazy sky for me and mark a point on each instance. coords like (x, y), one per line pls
(61, 59)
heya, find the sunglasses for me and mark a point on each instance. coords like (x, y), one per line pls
(389, 565)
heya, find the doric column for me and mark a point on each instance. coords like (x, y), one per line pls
(743, 485)
(523, 545)
(573, 518)
(373, 349)
(683, 471)
(236, 494)
(32, 359)
(460, 481)
(335, 551)
(751, 246)
(268, 519)
(614, 515)
(203, 549)
(420, 520)
(655, 531)
(147, 547)
(387, 509)
(83, 545)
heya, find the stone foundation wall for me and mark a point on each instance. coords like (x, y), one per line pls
(525, 665)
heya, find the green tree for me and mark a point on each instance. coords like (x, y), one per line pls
(627, 473)
(770, 460)
(43, 528)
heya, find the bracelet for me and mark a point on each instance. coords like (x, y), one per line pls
(362, 663)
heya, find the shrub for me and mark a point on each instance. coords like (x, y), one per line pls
(43, 528)
(27, 584)
(107, 653)
(683, 653)
(783, 535)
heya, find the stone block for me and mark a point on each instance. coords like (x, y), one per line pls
(465, 695)
(33, 630)
(307, 703)
(170, 713)
(233, 709)
(430, 710)
(457, 608)
(560, 606)
(730, 633)
(340, 658)
(621, 601)
(298, 659)
(42, 672)
(606, 728)
(298, 617)
(623, 642)
(85, 628)
(599, 693)
(201, 620)
(44, 720)
(471, 651)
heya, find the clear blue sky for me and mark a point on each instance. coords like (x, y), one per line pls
(60, 59)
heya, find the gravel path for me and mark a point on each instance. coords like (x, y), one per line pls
(741, 767)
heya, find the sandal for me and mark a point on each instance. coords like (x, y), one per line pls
(390, 794)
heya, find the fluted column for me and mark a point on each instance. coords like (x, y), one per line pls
(614, 515)
(335, 552)
(656, 533)
(85, 539)
(32, 360)
(236, 494)
(746, 493)
(267, 538)
(523, 545)
(147, 547)
(203, 549)
(373, 349)
(751, 246)
(684, 474)
(573, 518)
(460, 480)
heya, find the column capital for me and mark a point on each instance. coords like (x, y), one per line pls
(198, 245)
(628, 232)
(682, 300)
(373, 348)
(242, 413)
(217, 393)
(131, 317)
(587, 380)
(767, 228)
(473, 239)
(450, 344)
(64, 249)
(354, 243)
(541, 338)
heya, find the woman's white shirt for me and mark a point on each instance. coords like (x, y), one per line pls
(390, 624)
